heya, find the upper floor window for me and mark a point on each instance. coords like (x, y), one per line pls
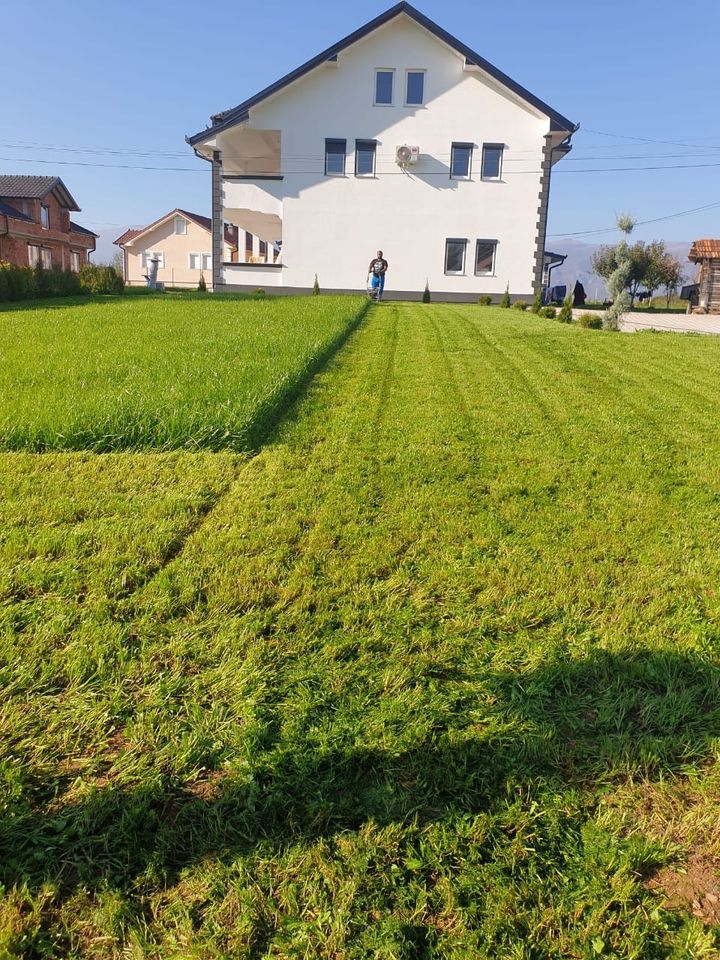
(384, 83)
(492, 157)
(365, 151)
(44, 216)
(180, 226)
(461, 161)
(335, 151)
(415, 88)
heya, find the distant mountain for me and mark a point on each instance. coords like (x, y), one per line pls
(578, 265)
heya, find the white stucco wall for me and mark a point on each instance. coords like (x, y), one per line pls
(333, 225)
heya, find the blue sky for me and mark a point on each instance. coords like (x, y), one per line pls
(135, 77)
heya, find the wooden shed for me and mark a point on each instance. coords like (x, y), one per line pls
(706, 253)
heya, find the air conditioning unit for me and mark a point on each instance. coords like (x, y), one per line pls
(406, 156)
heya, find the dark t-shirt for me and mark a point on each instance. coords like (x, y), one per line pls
(378, 266)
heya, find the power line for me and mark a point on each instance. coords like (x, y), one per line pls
(641, 223)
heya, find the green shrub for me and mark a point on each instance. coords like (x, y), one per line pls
(202, 286)
(426, 298)
(591, 321)
(549, 312)
(96, 278)
(25, 283)
(485, 300)
(566, 315)
(537, 302)
(520, 305)
(505, 302)
(259, 292)
(316, 287)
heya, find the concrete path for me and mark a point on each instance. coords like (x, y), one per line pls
(679, 322)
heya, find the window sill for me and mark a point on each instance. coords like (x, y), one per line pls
(383, 104)
(492, 180)
(462, 179)
(252, 266)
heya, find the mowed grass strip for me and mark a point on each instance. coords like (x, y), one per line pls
(160, 372)
(438, 676)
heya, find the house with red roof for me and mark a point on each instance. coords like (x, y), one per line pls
(181, 242)
(706, 254)
(35, 224)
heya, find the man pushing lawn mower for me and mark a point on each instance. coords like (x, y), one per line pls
(376, 276)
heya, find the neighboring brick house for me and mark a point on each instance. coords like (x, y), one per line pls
(181, 242)
(35, 224)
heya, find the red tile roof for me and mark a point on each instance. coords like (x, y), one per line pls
(704, 250)
(128, 235)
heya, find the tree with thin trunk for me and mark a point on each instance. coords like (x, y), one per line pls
(671, 276)
(620, 279)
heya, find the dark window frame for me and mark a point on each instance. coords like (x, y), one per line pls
(464, 242)
(364, 145)
(492, 146)
(491, 272)
(421, 73)
(336, 141)
(459, 145)
(391, 101)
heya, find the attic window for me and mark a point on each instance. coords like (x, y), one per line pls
(415, 88)
(180, 226)
(384, 82)
(44, 216)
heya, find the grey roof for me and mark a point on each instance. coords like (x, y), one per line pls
(7, 211)
(13, 186)
(76, 228)
(239, 114)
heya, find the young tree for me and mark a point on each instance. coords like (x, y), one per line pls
(426, 298)
(619, 280)
(505, 300)
(644, 260)
(537, 301)
(316, 287)
(671, 276)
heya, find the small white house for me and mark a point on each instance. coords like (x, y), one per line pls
(398, 138)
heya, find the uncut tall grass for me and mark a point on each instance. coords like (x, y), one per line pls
(159, 373)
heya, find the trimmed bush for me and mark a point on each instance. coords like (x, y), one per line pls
(202, 286)
(549, 312)
(316, 287)
(426, 298)
(565, 315)
(591, 321)
(520, 305)
(259, 292)
(99, 279)
(505, 302)
(537, 302)
(26, 283)
(485, 300)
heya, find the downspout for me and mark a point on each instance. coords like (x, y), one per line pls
(547, 165)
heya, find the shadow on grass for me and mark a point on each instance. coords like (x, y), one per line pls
(568, 724)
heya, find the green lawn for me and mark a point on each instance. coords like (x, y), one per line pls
(434, 675)
(159, 372)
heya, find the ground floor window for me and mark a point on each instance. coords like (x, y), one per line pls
(46, 258)
(33, 254)
(455, 256)
(485, 258)
(74, 261)
(153, 255)
(200, 261)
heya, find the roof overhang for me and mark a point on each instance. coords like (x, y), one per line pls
(473, 62)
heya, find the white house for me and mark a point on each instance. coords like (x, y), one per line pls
(399, 138)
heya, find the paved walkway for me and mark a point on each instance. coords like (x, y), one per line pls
(679, 322)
